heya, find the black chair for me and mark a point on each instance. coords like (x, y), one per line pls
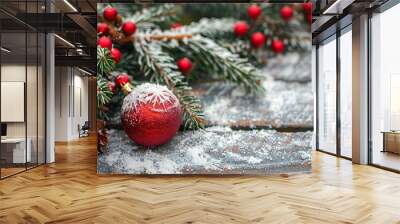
(84, 130)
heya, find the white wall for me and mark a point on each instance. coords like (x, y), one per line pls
(70, 83)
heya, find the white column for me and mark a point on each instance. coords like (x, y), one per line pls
(360, 90)
(50, 99)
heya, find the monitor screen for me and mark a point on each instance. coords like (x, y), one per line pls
(3, 129)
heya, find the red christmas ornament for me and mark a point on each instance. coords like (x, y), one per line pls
(104, 42)
(286, 13)
(151, 115)
(102, 28)
(240, 28)
(307, 7)
(111, 86)
(278, 46)
(110, 13)
(176, 26)
(185, 65)
(122, 79)
(254, 12)
(129, 28)
(257, 39)
(116, 54)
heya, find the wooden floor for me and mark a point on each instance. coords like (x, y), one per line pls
(70, 191)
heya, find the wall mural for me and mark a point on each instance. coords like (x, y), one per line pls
(210, 89)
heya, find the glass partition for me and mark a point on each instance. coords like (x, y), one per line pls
(327, 96)
(22, 88)
(14, 146)
(385, 89)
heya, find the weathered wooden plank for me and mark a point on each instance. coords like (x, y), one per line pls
(292, 67)
(216, 150)
(284, 105)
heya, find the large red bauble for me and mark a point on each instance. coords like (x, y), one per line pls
(116, 55)
(102, 28)
(278, 46)
(254, 12)
(240, 28)
(185, 65)
(122, 79)
(286, 13)
(104, 42)
(151, 115)
(110, 13)
(257, 39)
(129, 28)
(307, 7)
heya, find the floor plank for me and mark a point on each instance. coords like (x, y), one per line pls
(70, 191)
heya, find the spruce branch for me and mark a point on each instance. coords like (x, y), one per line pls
(104, 96)
(149, 16)
(222, 62)
(105, 63)
(161, 68)
(212, 28)
(230, 65)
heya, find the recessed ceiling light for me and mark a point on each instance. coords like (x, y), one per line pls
(5, 49)
(84, 71)
(70, 5)
(64, 40)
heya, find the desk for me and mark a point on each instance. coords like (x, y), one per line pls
(13, 150)
(391, 141)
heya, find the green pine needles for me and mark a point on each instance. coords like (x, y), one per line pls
(105, 63)
(151, 56)
(160, 67)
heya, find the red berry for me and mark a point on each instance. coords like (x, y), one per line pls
(240, 28)
(185, 65)
(110, 13)
(104, 42)
(254, 11)
(129, 28)
(111, 86)
(277, 46)
(122, 79)
(309, 18)
(116, 54)
(176, 25)
(307, 7)
(286, 13)
(102, 28)
(257, 39)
